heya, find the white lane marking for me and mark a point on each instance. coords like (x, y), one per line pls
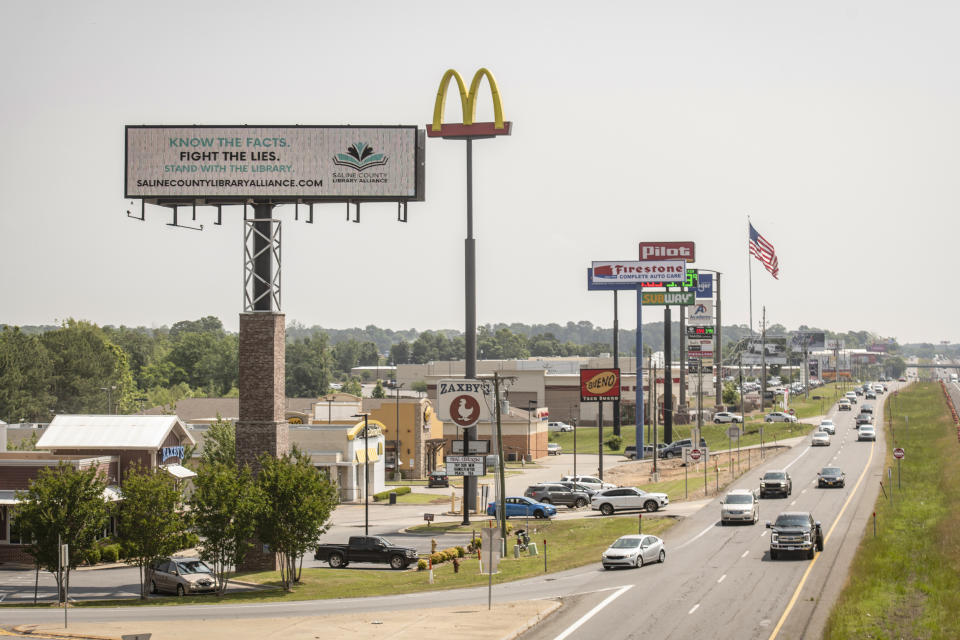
(695, 607)
(763, 533)
(722, 578)
(697, 537)
(803, 492)
(793, 503)
(589, 614)
(805, 451)
(745, 553)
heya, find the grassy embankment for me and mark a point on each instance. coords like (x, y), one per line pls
(904, 582)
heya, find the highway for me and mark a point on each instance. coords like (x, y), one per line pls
(716, 580)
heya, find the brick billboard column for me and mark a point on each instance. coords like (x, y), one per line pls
(262, 427)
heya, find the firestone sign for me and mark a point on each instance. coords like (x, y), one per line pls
(668, 251)
(637, 272)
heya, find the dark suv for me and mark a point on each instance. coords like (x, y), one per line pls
(675, 448)
(555, 493)
(776, 483)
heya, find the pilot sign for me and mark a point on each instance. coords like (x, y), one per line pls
(463, 402)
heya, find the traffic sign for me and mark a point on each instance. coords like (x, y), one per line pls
(475, 447)
(733, 431)
(898, 453)
(695, 454)
(464, 465)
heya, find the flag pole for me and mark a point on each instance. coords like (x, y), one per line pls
(750, 274)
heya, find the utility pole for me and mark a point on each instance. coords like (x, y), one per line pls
(667, 376)
(683, 359)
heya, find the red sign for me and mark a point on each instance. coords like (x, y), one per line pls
(598, 385)
(464, 410)
(898, 453)
(695, 454)
(667, 251)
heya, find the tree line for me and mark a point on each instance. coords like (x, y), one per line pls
(227, 509)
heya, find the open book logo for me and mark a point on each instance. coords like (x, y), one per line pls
(360, 156)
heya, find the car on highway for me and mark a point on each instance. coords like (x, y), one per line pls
(182, 576)
(844, 404)
(795, 531)
(831, 477)
(556, 493)
(559, 426)
(438, 478)
(866, 432)
(901, 379)
(723, 417)
(776, 482)
(590, 482)
(779, 416)
(554, 449)
(820, 439)
(522, 506)
(611, 500)
(634, 550)
(675, 448)
(740, 505)
(867, 408)
(870, 395)
(828, 426)
(863, 418)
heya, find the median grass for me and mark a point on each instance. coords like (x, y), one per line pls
(904, 582)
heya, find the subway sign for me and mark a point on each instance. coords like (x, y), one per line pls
(667, 297)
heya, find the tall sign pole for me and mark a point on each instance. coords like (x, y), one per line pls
(616, 362)
(469, 131)
(718, 346)
(667, 378)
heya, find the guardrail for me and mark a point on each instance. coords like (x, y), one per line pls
(953, 409)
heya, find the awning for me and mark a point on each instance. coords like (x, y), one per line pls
(112, 493)
(362, 455)
(8, 497)
(179, 471)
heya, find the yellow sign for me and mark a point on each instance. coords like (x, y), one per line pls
(468, 102)
(602, 382)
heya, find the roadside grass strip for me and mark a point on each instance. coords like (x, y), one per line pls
(904, 582)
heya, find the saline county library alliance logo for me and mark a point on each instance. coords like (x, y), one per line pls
(360, 157)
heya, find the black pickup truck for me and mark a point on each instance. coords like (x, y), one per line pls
(795, 531)
(366, 549)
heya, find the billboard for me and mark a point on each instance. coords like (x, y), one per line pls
(700, 312)
(814, 341)
(598, 385)
(705, 285)
(774, 349)
(668, 251)
(313, 163)
(666, 297)
(636, 272)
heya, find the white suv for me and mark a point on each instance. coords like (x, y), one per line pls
(740, 505)
(559, 426)
(627, 498)
(590, 482)
(828, 426)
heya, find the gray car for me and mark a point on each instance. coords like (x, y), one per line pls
(182, 576)
(555, 493)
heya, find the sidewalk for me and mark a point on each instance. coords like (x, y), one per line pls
(503, 622)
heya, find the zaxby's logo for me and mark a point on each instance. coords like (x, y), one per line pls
(360, 156)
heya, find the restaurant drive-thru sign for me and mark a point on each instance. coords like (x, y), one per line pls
(464, 465)
(463, 402)
(598, 385)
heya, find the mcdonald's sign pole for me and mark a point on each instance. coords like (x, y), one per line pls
(469, 131)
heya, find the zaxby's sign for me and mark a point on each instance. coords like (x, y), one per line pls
(464, 402)
(598, 385)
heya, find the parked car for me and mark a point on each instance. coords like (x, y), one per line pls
(779, 416)
(820, 439)
(551, 493)
(559, 426)
(831, 477)
(633, 551)
(438, 478)
(591, 482)
(578, 487)
(182, 576)
(366, 549)
(828, 426)
(866, 432)
(844, 405)
(630, 451)
(620, 498)
(740, 505)
(554, 449)
(722, 417)
(777, 483)
(675, 448)
(524, 507)
(795, 531)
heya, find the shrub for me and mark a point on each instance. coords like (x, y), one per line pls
(110, 553)
(460, 551)
(385, 495)
(92, 556)
(422, 565)
(613, 442)
(436, 558)
(476, 543)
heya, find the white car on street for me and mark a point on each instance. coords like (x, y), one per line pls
(559, 426)
(820, 439)
(634, 550)
(620, 498)
(740, 505)
(866, 432)
(722, 417)
(779, 416)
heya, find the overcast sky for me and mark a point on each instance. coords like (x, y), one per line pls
(834, 125)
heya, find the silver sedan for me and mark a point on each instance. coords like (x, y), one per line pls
(634, 551)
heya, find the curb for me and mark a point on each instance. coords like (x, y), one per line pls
(30, 629)
(533, 620)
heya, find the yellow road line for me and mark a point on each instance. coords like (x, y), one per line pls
(803, 580)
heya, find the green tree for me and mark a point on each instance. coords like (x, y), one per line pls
(378, 391)
(367, 355)
(308, 366)
(353, 387)
(730, 395)
(420, 386)
(346, 355)
(895, 366)
(400, 353)
(219, 443)
(225, 506)
(25, 374)
(66, 502)
(301, 500)
(153, 523)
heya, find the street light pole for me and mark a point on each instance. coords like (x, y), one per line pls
(396, 450)
(366, 472)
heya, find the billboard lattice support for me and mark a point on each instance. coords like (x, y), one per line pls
(261, 239)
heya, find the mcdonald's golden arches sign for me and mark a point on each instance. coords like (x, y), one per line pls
(468, 102)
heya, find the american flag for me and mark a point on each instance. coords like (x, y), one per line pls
(764, 252)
